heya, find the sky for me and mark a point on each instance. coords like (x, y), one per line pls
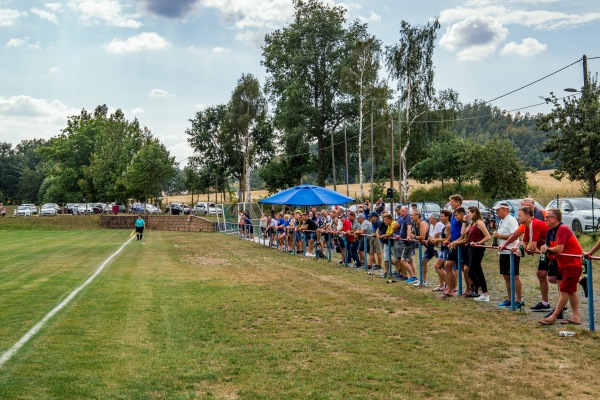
(161, 61)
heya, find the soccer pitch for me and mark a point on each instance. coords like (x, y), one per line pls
(184, 316)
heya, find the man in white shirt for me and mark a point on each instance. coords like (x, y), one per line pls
(508, 224)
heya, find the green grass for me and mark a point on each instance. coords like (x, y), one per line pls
(50, 223)
(206, 316)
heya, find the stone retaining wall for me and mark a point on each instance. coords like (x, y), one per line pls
(159, 223)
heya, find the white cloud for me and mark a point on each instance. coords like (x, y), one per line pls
(221, 50)
(474, 38)
(373, 17)
(47, 15)
(23, 43)
(200, 106)
(8, 17)
(108, 11)
(25, 117)
(252, 13)
(54, 6)
(538, 19)
(137, 110)
(143, 41)
(53, 70)
(528, 48)
(159, 93)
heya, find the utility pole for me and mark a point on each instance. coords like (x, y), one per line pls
(333, 162)
(372, 162)
(346, 147)
(400, 183)
(585, 71)
(392, 163)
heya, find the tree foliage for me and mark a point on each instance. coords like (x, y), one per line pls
(573, 129)
(304, 62)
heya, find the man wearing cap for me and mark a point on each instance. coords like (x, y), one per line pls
(375, 256)
(508, 224)
(365, 228)
(434, 232)
(535, 236)
(455, 239)
(343, 226)
(404, 247)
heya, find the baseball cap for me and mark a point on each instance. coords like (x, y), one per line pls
(361, 215)
(343, 216)
(298, 211)
(435, 215)
(374, 214)
(501, 204)
(399, 206)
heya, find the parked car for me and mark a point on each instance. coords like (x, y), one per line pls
(427, 207)
(122, 207)
(69, 208)
(23, 211)
(49, 209)
(486, 212)
(515, 204)
(201, 208)
(150, 209)
(214, 209)
(83, 208)
(178, 208)
(32, 206)
(578, 212)
(99, 208)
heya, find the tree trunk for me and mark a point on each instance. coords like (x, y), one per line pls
(321, 162)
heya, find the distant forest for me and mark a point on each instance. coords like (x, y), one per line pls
(481, 122)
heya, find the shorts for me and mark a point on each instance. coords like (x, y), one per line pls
(386, 253)
(504, 263)
(443, 254)
(310, 235)
(552, 268)
(404, 250)
(341, 243)
(139, 229)
(361, 246)
(375, 246)
(430, 252)
(570, 278)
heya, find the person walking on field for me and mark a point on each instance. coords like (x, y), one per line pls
(139, 227)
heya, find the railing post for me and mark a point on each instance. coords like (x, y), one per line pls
(512, 282)
(390, 257)
(365, 253)
(590, 287)
(329, 247)
(346, 251)
(460, 271)
(420, 264)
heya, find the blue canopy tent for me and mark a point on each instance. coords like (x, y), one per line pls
(307, 195)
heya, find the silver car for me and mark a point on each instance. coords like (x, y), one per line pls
(23, 211)
(578, 212)
(49, 209)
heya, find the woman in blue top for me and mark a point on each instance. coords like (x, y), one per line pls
(139, 227)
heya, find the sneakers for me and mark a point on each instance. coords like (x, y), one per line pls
(376, 267)
(540, 307)
(439, 289)
(384, 275)
(560, 315)
(482, 297)
(417, 283)
(412, 279)
(505, 303)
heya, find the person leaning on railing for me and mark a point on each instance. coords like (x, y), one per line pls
(561, 245)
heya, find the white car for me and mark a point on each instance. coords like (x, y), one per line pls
(83, 208)
(23, 211)
(49, 209)
(34, 209)
(150, 209)
(214, 209)
(578, 213)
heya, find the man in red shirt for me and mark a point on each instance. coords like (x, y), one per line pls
(561, 242)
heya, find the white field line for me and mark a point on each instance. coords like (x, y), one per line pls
(11, 352)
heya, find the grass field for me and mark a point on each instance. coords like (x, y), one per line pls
(206, 316)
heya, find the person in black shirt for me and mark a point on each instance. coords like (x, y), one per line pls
(310, 228)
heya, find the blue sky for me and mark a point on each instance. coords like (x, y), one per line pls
(163, 60)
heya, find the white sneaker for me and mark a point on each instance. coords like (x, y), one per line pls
(482, 297)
